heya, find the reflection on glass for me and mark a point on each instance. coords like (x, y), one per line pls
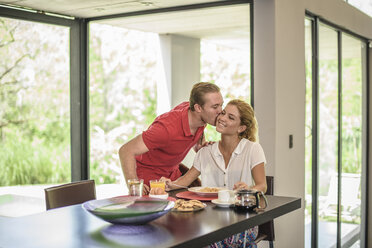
(328, 134)
(351, 135)
(131, 236)
(308, 135)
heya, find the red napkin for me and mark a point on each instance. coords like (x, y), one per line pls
(193, 196)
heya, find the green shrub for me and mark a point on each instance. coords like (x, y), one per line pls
(26, 161)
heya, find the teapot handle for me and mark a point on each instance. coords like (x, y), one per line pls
(263, 195)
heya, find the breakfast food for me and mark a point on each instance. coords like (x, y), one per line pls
(184, 205)
(209, 190)
(157, 191)
(157, 184)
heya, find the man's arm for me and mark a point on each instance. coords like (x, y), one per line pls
(127, 153)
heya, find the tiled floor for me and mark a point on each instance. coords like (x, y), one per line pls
(18, 201)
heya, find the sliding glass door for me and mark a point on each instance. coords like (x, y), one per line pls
(335, 125)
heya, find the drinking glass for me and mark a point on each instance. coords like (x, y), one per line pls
(135, 187)
(157, 184)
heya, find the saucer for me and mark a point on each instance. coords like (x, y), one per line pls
(223, 204)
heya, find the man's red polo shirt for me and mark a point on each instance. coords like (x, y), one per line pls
(168, 139)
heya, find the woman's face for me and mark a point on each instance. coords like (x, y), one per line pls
(228, 122)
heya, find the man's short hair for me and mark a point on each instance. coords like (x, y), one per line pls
(199, 90)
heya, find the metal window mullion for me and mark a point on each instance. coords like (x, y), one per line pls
(34, 17)
(339, 142)
(365, 145)
(251, 17)
(79, 100)
(172, 9)
(315, 121)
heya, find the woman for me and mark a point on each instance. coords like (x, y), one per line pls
(235, 162)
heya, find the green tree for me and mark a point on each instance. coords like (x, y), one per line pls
(34, 103)
(122, 94)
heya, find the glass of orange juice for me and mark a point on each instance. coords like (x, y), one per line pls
(157, 184)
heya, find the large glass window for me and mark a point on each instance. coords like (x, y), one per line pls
(328, 135)
(126, 68)
(338, 137)
(308, 131)
(229, 68)
(34, 109)
(123, 97)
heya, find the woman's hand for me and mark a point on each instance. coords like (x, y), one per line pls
(240, 186)
(167, 183)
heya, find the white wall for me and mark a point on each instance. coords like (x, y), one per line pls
(280, 104)
(341, 13)
(279, 72)
(180, 58)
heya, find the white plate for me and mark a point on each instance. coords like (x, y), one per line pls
(197, 190)
(165, 196)
(223, 204)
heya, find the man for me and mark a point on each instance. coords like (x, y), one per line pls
(159, 150)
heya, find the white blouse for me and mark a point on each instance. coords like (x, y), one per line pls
(209, 161)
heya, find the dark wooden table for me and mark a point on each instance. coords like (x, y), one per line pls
(74, 227)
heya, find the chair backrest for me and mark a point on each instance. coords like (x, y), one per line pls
(70, 194)
(266, 230)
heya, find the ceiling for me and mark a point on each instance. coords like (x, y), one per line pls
(226, 24)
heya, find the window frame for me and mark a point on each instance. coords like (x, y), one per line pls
(79, 72)
(78, 83)
(315, 22)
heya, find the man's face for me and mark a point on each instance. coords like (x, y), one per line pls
(212, 107)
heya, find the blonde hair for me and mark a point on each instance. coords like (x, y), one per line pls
(248, 119)
(199, 90)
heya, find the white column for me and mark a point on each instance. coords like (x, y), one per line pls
(179, 69)
(164, 70)
(279, 85)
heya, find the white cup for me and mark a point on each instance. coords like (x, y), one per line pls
(225, 195)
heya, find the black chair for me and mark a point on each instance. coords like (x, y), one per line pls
(183, 169)
(70, 194)
(266, 230)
